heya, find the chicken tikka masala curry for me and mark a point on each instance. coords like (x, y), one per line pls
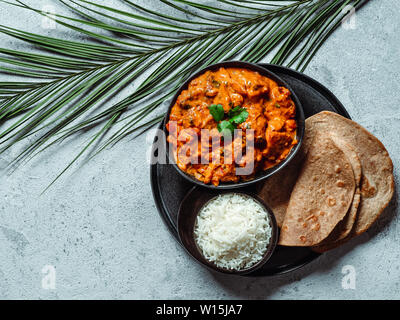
(227, 101)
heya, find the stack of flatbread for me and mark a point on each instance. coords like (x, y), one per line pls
(336, 187)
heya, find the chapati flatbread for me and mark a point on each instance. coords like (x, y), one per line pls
(351, 155)
(377, 182)
(342, 231)
(321, 196)
(277, 189)
(344, 227)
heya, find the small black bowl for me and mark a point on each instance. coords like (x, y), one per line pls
(261, 175)
(191, 205)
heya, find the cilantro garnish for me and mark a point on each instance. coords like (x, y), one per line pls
(235, 116)
(217, 111)
(226, 128)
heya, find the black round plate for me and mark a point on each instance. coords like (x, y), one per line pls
(169, 187)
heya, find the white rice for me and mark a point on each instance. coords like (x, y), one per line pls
(233, 231)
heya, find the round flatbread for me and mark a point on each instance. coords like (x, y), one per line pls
(350, 154)
(342, 231)
(277, 189)
(344, 227)
(377, 182)
(321, 196)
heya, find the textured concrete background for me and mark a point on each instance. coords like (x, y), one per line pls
(99, 226)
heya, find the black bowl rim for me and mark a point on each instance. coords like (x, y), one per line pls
(210, 265)
(264, 174)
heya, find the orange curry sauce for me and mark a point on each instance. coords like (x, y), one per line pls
(271, 114)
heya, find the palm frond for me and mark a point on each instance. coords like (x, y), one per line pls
(66, 87)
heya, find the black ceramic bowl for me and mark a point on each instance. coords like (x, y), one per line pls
(261, 175)
(191, 205)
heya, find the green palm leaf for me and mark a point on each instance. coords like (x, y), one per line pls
(67, 87)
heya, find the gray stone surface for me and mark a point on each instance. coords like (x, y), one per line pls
(99, 227)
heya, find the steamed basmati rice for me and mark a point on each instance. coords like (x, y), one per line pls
(233, 231)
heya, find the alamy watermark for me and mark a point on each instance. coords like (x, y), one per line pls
(49, 277)
(349, 279)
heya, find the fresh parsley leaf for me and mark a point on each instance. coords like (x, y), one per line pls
(235, 111)
(241, 117)
(217, 111)
(235, 116)
(226, 128)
